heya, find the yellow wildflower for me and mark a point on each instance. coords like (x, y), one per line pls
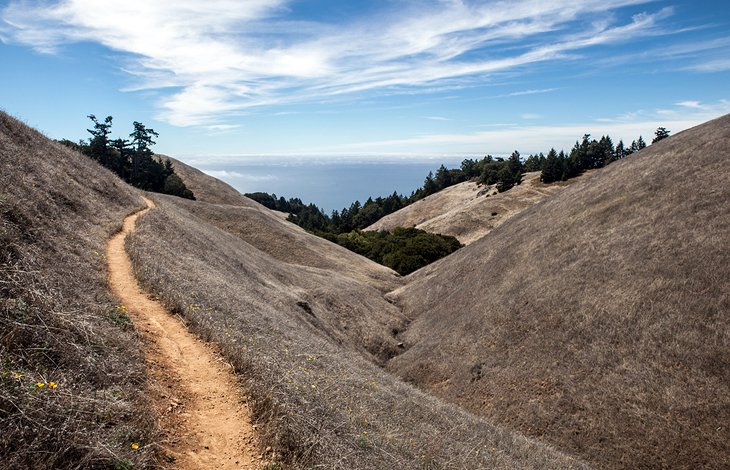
(40, 384)
(17, 375)
(52, 385)
(135, 446)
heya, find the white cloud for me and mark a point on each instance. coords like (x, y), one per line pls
(716, 65)
(219, 57)
(539, 138)
(690, 104)
(531, 92)
(436, 118)
(235, 175)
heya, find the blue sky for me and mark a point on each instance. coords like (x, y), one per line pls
(222, 79)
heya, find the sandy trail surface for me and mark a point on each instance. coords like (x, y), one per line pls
(202, 411)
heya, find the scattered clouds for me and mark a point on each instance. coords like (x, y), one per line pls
(212, 59)
(436, 118)
(235, 175)
(532, 92)
(716, 65)
(539, 138)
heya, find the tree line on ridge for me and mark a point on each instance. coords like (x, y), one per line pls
(131, 159)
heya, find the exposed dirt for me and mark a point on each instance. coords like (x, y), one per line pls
(202, 412)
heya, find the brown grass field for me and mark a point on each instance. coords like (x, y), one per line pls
(468, 210)
(596, 321)
(590, 329)
(306, 342)
(58, 321)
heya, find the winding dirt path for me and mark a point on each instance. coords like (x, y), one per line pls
(202, 412)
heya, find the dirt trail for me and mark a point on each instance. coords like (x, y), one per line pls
(202, 412)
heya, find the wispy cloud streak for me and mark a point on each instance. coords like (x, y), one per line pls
(216, 58)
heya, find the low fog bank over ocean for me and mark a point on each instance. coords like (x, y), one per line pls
(329, 183)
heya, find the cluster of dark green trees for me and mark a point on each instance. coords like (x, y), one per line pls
(586, 154)
(404, 249)
(132, 159)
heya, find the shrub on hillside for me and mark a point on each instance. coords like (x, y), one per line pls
(404, 249)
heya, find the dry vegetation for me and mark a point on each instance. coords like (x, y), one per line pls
(597, 320)
(305, 341)
(468, 211)
(267, 231)
(71, 375)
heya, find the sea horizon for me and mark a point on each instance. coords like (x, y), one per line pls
(330, 183)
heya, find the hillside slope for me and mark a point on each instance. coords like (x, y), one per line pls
(598, 319)
(305, 340)
(467, 210)
(222, 206)
(72, 378)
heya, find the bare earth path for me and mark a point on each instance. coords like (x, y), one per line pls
(204, 417)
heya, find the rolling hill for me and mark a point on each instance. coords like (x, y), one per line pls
(588, 329)
(596, 320)
(467, 210)
(304, 327)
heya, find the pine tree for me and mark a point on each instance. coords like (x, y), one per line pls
(98, 148)
(510, 174)
(660, 134)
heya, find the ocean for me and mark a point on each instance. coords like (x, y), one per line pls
(330, 184)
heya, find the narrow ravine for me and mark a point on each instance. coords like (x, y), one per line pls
(202, 412)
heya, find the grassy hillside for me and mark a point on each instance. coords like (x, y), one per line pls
(305, 341)
(267, 230)
(72, 378)
(598, 319)
(469, 211)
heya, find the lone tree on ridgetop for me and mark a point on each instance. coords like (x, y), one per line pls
(660, 134)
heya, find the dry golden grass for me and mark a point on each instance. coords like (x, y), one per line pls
(468, 211)
(72, 375)
(269, 232)
(597, 320)
(305, 341)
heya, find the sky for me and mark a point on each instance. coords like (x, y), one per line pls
(235, 80)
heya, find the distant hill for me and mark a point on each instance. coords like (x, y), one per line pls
(597, 320)
(468, 211)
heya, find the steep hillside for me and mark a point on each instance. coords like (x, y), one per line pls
(467, 210)
(72, 378)
(598, 319)
(267, 230)
(305, 340)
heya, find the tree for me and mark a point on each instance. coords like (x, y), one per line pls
(429, 185)
(175, 187)
(141, 143)
(553, 168)
(510, 174)
(638, 144)
(660, 134)
(132, 160)
(98, 148)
